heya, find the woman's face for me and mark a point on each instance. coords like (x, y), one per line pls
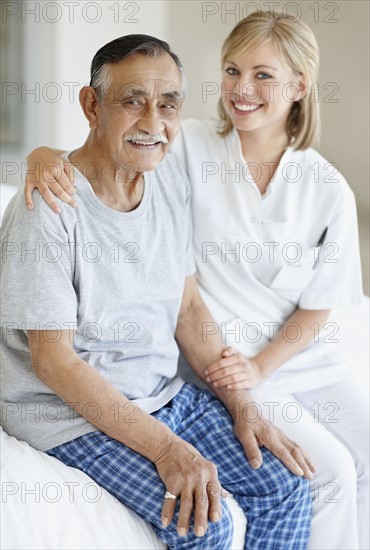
(258, 89)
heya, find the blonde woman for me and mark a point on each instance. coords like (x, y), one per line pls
(276, 247)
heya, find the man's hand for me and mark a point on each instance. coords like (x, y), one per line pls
(254, 431)
(51, 175)
(234, 371)
(193, 479)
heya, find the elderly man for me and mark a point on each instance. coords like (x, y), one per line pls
(92, 302)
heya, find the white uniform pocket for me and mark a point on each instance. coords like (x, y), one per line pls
(293, 277)
(291, 281)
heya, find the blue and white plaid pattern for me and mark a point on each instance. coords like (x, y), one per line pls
(277, 504)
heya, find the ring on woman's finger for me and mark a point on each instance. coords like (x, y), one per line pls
(170, 495)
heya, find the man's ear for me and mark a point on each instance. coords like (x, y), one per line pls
(89, 102)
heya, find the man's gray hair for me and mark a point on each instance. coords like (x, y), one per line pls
(121, 49)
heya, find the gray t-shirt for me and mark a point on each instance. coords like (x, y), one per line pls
(116, 278)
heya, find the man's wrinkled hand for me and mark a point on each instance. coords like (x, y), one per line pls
(194, 481)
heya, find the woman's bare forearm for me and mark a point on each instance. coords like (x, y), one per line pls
(293, 337)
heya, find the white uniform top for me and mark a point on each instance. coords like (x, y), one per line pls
(257, 256)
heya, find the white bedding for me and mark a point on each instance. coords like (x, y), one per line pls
(46, 505)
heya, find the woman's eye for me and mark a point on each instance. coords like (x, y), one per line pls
(231, 71)
(262, 76)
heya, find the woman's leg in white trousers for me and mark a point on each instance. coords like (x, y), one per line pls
(326, 423)
(350, 408)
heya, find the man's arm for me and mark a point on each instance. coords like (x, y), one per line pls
(56, 363)
(201, 351)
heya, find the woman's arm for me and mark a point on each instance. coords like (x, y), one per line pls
(236, 371)
(51, 175)
(284, 347)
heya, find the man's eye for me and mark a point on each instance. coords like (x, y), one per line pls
(263, 76)
(231, 71)
(132, 101)
(170, 109)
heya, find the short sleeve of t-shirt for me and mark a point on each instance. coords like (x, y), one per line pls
(338, 280)
(37, 269)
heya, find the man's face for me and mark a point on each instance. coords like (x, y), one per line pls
(140, 113)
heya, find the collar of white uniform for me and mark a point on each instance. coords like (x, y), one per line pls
(235, 151)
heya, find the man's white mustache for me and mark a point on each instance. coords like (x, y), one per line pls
(147, 138)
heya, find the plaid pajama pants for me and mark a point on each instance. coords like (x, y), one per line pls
(277, 503)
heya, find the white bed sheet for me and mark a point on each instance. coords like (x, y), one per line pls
(46, 505)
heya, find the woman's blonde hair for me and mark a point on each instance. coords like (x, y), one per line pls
(297, 44)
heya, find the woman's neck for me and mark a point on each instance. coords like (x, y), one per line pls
(262, 146)
(263, 150)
